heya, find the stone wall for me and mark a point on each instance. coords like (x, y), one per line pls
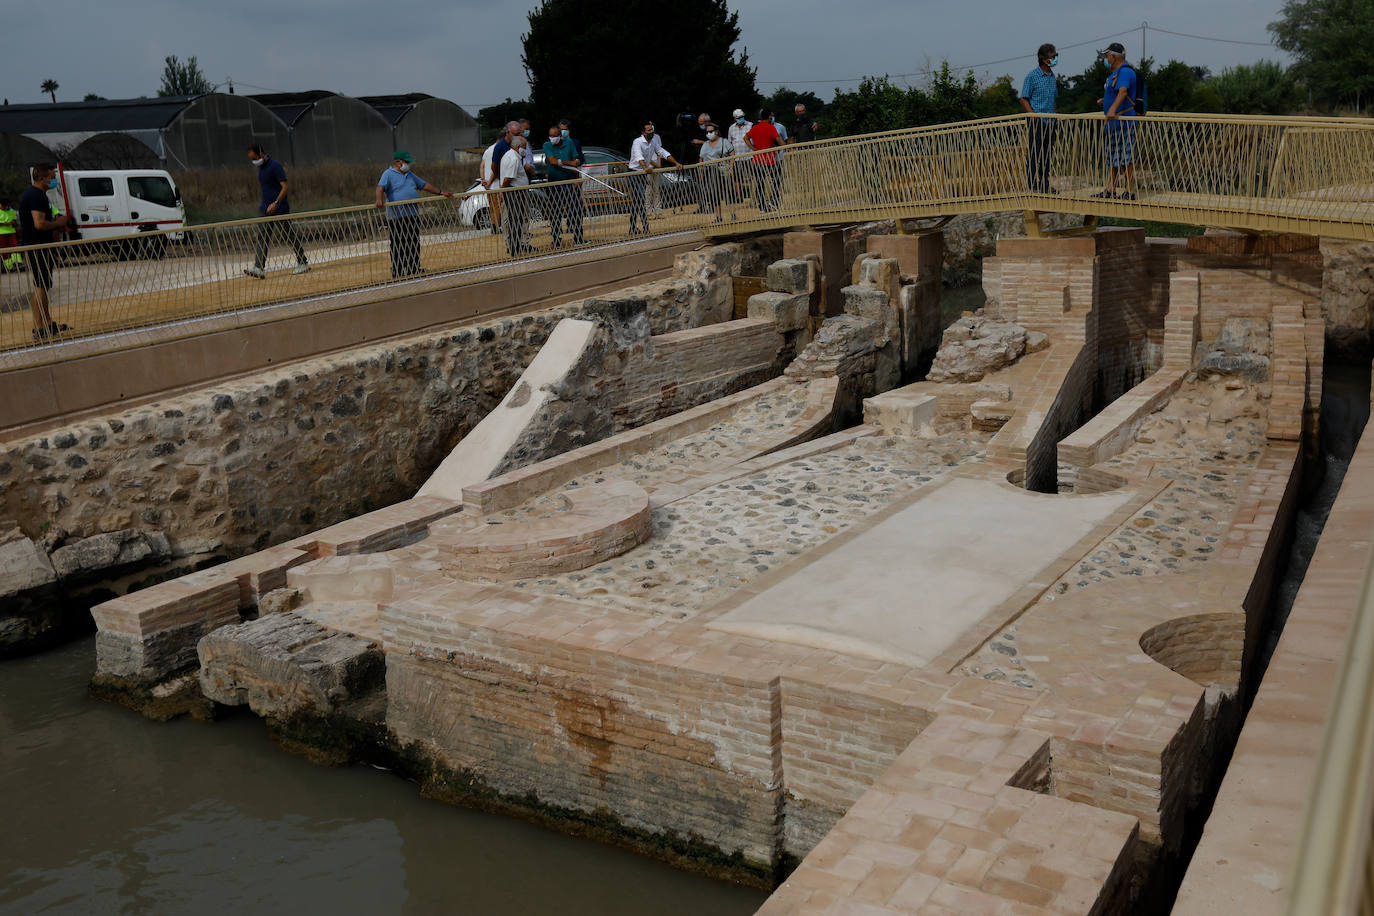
(226, 469)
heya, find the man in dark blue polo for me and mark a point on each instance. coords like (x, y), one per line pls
(276, 201)
(1039, 93)
(1118, 100)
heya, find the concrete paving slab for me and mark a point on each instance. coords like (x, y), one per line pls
(908, 587)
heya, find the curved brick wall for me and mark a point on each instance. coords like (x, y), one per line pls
(600, 522)
(1205, 648)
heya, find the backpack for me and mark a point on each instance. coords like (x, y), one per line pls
(1141, 103)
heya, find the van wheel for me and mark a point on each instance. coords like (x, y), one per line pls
(482, 219)
(154, 247)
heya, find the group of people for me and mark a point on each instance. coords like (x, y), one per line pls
(1122, 89)
(747, 150)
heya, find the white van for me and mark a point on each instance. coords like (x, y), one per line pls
(108, 203)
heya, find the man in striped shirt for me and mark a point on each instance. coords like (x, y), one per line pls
(1039, 92)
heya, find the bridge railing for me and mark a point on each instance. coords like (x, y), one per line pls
(1313, 175)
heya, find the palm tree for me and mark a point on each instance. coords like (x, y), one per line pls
(50, 87)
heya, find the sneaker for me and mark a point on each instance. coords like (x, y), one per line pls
(1110, 195)
(50, 331)
(255, 272)
(1128, 195)
(301, 269)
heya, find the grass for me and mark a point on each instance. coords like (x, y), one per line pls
(216, 195)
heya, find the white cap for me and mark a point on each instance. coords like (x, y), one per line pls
(739, 113)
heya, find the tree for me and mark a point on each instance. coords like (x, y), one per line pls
(494, 118)
(783, 103)
(1261, 88)
(93, 97)
(1330, 39)
(50, 87)
(183, 78)
(609, 71)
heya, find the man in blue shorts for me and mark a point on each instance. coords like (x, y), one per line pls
(1118, 99)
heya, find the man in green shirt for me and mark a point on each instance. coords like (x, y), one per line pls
(563, 159)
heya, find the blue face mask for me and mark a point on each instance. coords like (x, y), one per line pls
(1054, 61)
(739, 120)
(52, 182)
(525, 132)
(564, 132)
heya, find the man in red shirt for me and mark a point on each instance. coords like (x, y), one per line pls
(767, 173)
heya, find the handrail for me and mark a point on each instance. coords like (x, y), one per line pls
(1332, 873)
(1302, 174)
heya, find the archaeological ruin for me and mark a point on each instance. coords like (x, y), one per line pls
(809, 583)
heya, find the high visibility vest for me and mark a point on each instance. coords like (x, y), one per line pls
(8, 219)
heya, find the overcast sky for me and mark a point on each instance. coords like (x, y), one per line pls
(469, 52)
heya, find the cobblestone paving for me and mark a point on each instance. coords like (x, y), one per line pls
(707, 545)
(1207, 440)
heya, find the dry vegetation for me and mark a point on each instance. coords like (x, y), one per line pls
(214, 195)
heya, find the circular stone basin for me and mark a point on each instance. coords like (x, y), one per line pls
(1074, 481)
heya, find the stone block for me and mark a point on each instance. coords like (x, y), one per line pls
(788, 311)
(881, 273)
(794, 275)
(991, 415)
(828, 247)
(900, 412)
(108, 551)
(23, 565)
(873, 304)
(283, 665)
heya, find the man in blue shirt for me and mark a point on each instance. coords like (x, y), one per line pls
(1118, 99)
(563, 159)
(1039, 92)
(275, 202)
(397, 185)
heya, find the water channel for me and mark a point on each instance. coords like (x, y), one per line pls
(105, 812)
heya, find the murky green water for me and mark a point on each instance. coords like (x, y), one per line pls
(105, 812)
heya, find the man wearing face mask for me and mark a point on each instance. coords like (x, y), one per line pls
(397, 184)
(37, 226)
(646, 156)
(1039, 93)
(562, 158)
(498, 153)
(517, 203)
(736, 133)
(275, 202)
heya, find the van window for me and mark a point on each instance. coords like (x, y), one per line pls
(96, 187)
(154, 189)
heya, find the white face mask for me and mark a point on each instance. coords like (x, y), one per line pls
(259, 162)
(710, 135)
(404, 167)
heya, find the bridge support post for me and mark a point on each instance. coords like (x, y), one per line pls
(1035, 230)
(828, 245)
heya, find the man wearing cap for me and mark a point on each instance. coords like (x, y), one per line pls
(1118, 99)
(1039, 93)
(397, 185)
(736, 133)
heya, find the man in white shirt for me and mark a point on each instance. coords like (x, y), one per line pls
(488, 178)
(736, 134)
(517, 202)
(646, 156)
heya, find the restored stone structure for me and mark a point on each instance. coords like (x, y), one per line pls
(979, 653)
